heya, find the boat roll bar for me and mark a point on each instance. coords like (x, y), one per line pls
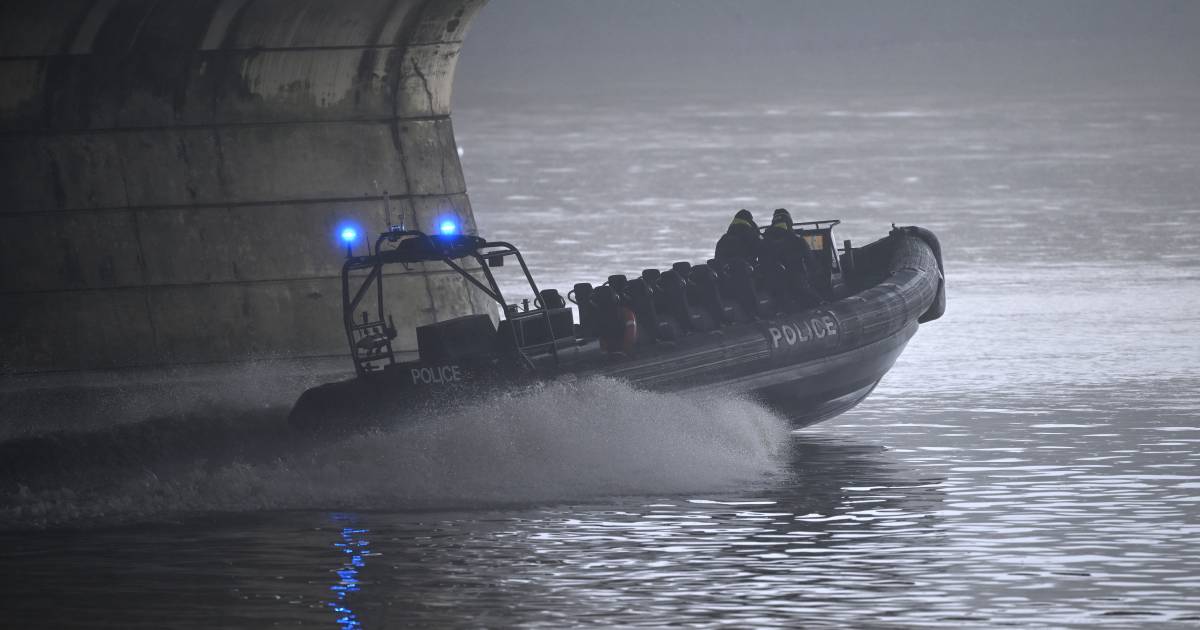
(371, 338)
(823, 224)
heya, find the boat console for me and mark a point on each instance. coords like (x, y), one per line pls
(828, 272)
(370, 329)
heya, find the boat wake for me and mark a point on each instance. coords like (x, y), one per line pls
(561, 441)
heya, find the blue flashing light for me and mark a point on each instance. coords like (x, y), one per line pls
(349, 235)
(448, 227)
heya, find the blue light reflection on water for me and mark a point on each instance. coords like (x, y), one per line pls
(354, 548)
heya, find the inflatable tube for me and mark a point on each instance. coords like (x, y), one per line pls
(938, 308)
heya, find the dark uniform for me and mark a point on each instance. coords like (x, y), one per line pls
(784, 247)
(741, 240)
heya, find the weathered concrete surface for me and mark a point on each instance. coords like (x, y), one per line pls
(172, 173)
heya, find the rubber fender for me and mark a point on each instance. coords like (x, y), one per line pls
(938, 308)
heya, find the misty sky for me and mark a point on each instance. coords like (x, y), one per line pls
(588, 47)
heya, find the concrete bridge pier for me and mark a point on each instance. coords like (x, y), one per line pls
(172, 175)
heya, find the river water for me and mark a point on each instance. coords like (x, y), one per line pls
(1030, 461)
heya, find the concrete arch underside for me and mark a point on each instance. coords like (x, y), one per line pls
(173, 172)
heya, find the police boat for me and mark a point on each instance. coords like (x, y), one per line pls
(725, 327)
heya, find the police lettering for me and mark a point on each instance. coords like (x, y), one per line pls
(436, 375)
(803, 331)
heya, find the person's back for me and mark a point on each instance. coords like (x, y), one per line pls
(784, 247)
(741, 240)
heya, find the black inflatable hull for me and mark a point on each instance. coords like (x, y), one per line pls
(809, 365)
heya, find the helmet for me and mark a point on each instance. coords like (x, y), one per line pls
(743, 217)
(782, 216)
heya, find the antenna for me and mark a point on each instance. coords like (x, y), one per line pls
(387, 211)
(387, 204)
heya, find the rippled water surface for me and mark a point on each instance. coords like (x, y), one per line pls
(1030, 461)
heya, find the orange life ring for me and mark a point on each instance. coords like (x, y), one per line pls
(628, 323)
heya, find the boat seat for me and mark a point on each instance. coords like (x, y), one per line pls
(743, 310)
(603, 298)
(791, 290)
(651, 327)
(683, 268)
(774, 282)
(582, 296)
(617, 282)
(705, 292)
(739, 283)
(650, 277)
(549, 298)
(674, 298)
(661, 302)
(608, 322)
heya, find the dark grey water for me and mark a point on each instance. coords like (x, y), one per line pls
(1030, 461)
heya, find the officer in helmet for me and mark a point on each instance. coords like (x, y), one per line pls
(784, 247)
(741, 239)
